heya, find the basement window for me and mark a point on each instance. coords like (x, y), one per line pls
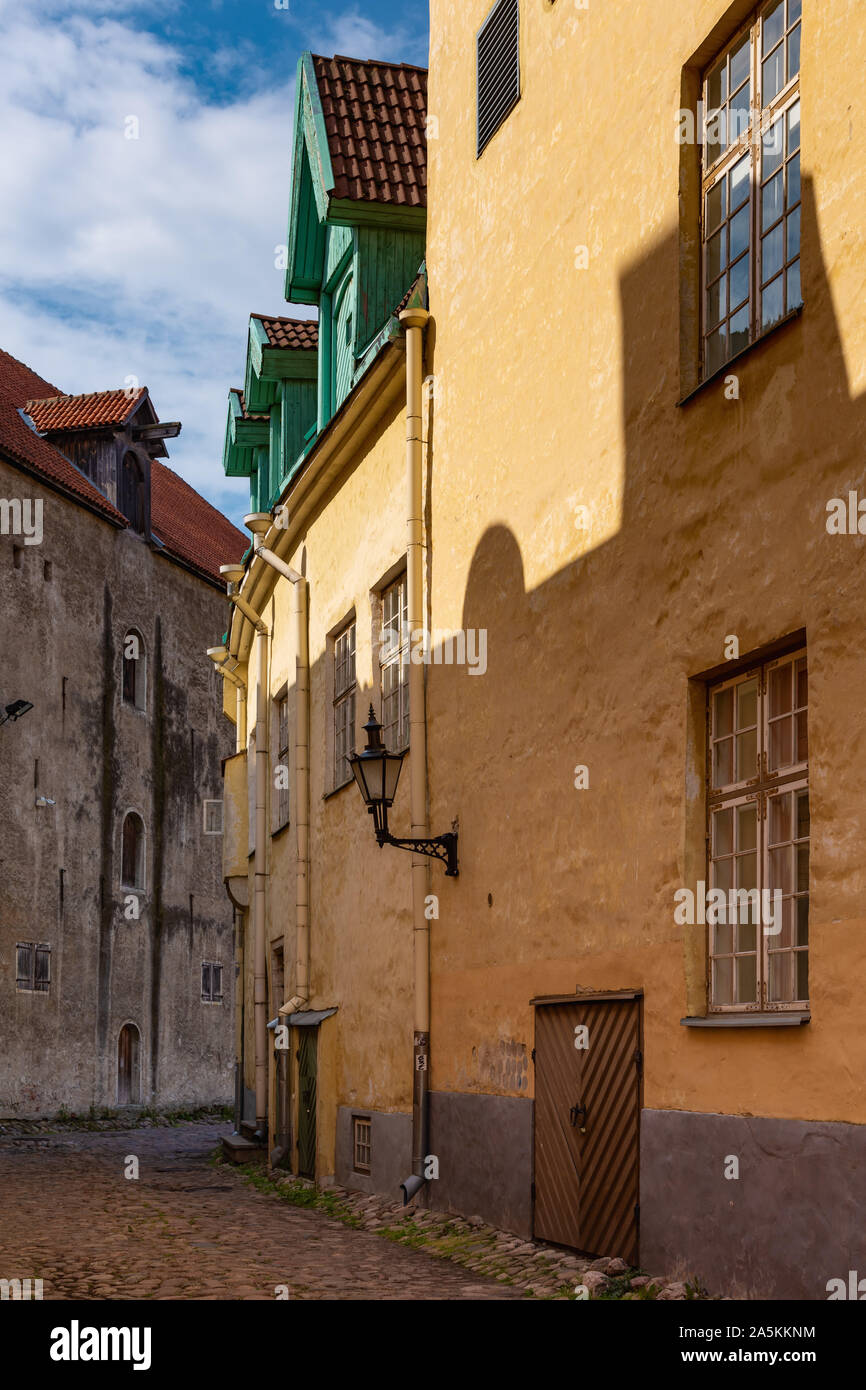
(33, 968)
(498, 69)
(362, 1143)
(211, 982)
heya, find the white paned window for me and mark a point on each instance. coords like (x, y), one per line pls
(758, 837)
(394, 664)
(751, 184)
(344, 704)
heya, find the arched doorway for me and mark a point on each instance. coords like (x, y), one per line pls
(128, 1072)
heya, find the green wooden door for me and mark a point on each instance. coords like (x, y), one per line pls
(308, 1038)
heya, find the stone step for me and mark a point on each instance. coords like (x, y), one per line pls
(237, 1149)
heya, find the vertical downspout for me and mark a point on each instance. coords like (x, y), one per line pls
(414, 322)
(233, 574)
(261, 871)
(220, 657)
(302, 771)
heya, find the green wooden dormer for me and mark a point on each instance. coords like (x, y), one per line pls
(358, 208)
(272, 423)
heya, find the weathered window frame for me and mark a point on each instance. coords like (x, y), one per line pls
(281, 800)
(211, 982)
(362, 1144)
(344, 658)
(758, 790)
(394, 664)
(751, 144)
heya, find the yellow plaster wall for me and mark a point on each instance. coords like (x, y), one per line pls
(556, 391)
(360, 897)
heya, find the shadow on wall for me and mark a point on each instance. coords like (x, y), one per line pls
(723, 531)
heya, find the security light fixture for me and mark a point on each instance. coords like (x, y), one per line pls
(377, 773)
(15, 711)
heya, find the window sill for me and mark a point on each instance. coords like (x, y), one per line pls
(335, 791)
(747, 1021)
(725, 369)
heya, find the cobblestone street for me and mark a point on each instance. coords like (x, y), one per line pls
(185, 1229)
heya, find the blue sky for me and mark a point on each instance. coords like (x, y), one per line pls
(144, 257)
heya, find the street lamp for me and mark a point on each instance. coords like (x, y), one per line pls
(15, 711)
(377, 773)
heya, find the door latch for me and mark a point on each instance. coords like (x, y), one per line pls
(577, 1115)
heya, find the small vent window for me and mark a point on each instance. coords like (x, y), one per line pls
(213, 818)
(362, 1143)
(498, 68)
(211, 982)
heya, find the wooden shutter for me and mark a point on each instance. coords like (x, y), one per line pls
(24, 970)
(205, 979)
(42, 976)
(498, 68)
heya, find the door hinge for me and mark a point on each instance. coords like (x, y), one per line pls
(532, 1054)
(637, 1213)
(638, 1061)
(532, 1190)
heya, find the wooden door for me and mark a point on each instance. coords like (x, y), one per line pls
(588, 1067)
(128, 1071)
(307, 1039)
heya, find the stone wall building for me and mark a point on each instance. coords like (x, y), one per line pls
(616, 494)
(115, 935)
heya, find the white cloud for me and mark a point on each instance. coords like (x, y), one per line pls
(354, 35)
(136, 256)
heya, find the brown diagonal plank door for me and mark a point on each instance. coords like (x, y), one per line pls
(587, 1116)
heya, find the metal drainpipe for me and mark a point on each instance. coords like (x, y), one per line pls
(259, 524)
(223, 662)
(414, 322)
(260, 983)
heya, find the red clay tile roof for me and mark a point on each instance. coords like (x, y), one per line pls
(189, 527)
(290, 333)
(83, 412)
(375, 117)
(17, 386)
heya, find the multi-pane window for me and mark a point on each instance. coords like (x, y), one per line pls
(751, 184)
(344, 703)
(281, 768)
(33, 967)
(394, 663)
(362, 1143)
(211, 982)
(758, 838)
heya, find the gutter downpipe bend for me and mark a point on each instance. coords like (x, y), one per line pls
(302, 777)
(414, 321)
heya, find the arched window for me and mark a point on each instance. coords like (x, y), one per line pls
(134, 670)
(131, 500)
(132, 854)
(128, 1066)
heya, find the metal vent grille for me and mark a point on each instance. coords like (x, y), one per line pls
(498, 68)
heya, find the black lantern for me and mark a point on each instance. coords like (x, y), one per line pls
(377, 773)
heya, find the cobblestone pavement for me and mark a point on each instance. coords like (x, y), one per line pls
(186, 1229)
